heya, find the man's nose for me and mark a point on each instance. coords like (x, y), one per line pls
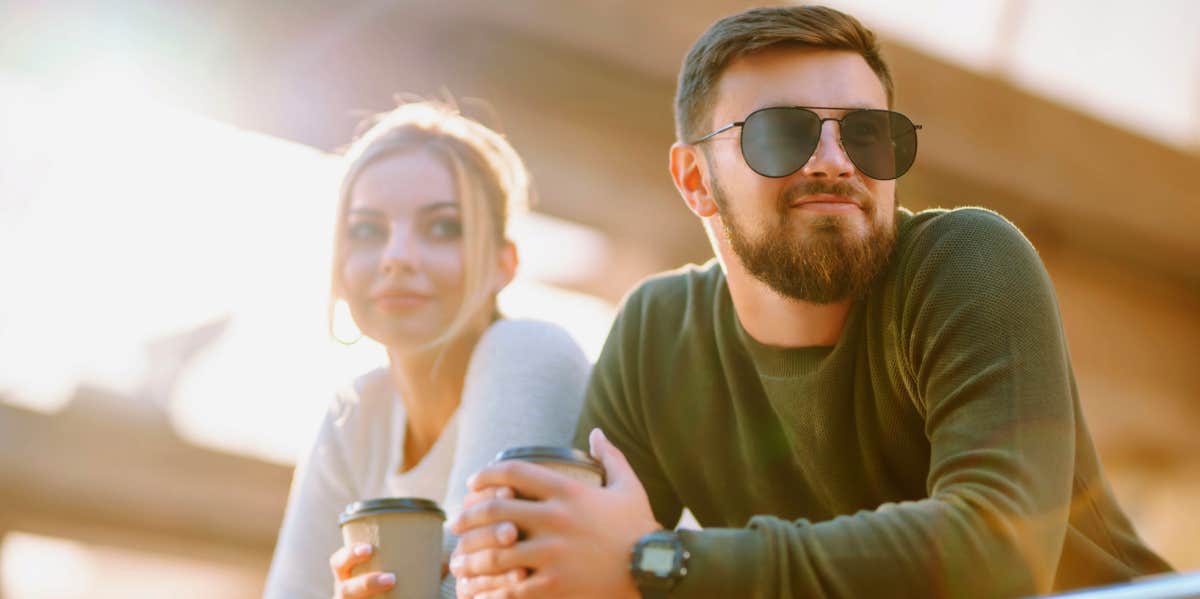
(829, 160)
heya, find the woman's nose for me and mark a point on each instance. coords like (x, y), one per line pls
(401, 252)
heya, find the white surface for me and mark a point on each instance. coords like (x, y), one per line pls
(1136, 65)
(126, 222)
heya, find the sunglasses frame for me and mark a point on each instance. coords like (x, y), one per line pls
(820, 125)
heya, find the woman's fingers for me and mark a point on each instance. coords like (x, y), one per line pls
(346, 558)
(365, 585)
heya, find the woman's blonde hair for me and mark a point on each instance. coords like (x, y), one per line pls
(489, 178)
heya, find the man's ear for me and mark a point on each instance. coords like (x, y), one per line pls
(687, 171)
(506, 265)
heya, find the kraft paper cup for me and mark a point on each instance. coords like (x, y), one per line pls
(564, 460)
(407, 535)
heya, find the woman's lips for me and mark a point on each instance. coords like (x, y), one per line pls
(399, 301)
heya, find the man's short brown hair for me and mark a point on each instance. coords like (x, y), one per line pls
(753, 31)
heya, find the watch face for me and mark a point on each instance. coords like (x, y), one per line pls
(658, 560)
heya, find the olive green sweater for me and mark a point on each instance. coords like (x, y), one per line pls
(936, 450)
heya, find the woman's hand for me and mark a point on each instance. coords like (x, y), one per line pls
(370, 584)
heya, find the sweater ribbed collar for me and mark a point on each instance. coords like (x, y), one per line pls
(789, 362)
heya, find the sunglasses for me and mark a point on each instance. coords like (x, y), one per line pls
(778, 141)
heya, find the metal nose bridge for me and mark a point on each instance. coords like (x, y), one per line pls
(837, 136)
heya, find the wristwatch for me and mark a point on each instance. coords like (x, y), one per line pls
(658, 563)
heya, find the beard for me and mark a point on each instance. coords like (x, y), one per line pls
(826, 262)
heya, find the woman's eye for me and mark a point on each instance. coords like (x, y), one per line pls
(445, 228)
(366, 231)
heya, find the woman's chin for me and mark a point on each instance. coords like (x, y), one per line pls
(405, 340)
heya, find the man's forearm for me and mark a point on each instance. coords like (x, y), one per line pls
(948, 547)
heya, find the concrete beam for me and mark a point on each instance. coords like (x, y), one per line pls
(101, 473)
(584, 88)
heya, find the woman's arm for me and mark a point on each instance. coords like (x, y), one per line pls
(321, 489)
(525, 386)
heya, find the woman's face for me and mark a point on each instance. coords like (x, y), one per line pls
(403, 271)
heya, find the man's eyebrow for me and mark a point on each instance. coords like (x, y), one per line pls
(851, 106)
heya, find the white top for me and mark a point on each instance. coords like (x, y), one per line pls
(524, 386)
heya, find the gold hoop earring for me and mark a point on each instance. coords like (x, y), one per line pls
(343, 322)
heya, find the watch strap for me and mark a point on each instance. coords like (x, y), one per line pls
(654, 587)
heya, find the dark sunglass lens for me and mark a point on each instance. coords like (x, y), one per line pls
(881, 143)
(776, 142)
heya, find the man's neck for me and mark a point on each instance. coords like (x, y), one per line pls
(778, 321)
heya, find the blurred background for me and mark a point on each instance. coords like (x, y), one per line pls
(167, 185)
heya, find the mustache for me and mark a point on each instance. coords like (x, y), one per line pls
(842, 188)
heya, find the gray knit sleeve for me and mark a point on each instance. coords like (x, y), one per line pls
(524, 386)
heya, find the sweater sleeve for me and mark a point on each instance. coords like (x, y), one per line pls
(986, 356)
(321, 489)
(524, 386)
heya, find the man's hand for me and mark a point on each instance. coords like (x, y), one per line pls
(577, 539)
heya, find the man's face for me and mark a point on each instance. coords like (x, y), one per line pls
(822, 233)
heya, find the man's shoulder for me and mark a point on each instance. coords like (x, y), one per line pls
(968, 235)
(967, 253)
(676, 291)
(934, 223)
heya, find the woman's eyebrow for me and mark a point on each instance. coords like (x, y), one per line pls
(366, 212)
(437, 206)
(377, 213)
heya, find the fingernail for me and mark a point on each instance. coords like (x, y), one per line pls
(504, 493)
(593, 438)
(362, 549)
(388, 578)
(515, 575)
(456, 563)
(506, 532)
(471, 481)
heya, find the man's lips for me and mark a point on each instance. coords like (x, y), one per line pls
(825, 200)
(826, 203)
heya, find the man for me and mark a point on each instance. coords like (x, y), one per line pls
(854, 400)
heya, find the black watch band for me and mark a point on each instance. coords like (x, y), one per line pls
(658, 563)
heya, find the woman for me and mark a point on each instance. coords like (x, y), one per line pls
(420, 253)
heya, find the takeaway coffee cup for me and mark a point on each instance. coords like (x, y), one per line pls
(407, 535)
(565, 460)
